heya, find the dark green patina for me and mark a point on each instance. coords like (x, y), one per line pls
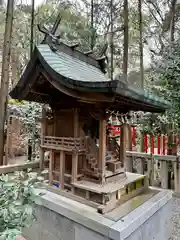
(68, 67)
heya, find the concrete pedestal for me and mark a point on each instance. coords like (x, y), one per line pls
(65, 219)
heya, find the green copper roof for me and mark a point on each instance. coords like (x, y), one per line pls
(80, 72)
(70, 67)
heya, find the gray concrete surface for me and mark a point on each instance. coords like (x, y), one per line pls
(64, 219)
(175, 219)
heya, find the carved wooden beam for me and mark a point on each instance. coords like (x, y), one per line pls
(99, 114)
(88, 52)
(74, 45)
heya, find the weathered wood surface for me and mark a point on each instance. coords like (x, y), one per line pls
(64, 143)
(157, 165)
(18, 167)
(148, 155)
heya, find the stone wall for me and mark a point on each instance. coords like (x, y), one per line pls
(156, 227)
(149, 221)
(53, 226)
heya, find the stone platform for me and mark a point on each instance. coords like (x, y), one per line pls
(144, 217)
(108, 196)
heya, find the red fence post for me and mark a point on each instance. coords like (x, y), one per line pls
(159, 144)
(146, 143)
(134, 136)
(152, 144)
(163, 145)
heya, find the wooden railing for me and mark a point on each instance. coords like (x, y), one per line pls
(64, 143)
(92, 147)
(163, 171)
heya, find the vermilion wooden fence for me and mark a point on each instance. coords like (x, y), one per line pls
(152, 144)
(159, 144)
(115, 131)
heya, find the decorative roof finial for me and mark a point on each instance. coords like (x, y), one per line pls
(50, 33)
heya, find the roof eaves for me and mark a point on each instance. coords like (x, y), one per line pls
(142, 96)
(24, 79)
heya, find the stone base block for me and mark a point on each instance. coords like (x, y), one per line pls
(65, 219)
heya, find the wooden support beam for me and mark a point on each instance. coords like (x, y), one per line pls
(74, 167)
(150, 168)
(176, 176)
(164, 175)
(122, 152)
(54, 124)
(73, 46)
(76, 122)
(51, 162)
(18, 167)
(62, 169)
(43, 132)
(75, 155)
(89, 52)
(141, 162)
(128, 164)
(102, 148)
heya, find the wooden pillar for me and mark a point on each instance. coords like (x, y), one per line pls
(62, 169)
(128, 164)
(43, 132)
(123, 141)
(150, 166)
(176, 176)
(51, 162)
(164, 174)
(102, 147)
(76, 122)
(75, 155)
(74, 167)
(141, 165)
(54, 123)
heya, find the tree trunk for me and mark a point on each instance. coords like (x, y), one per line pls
(5, 73)
(172, 25)
(111, 41)
(32, 28)
(141, 43)
(126, 41)
(92, 24)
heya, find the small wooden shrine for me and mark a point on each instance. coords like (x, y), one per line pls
(84, 164)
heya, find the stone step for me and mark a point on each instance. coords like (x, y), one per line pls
(91, 173)
(92, 160)
(114, 166)
(94, 165)
(112, 160)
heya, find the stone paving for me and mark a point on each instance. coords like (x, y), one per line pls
(176, 219)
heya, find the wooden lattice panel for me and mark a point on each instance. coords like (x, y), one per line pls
(64, 143)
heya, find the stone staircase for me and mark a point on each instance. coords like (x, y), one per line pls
(113, 165)
(92, 158)
(92, 162)
(112, 162)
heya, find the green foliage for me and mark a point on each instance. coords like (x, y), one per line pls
(167, 84)
(164, 81)
(28, 112)
(18, 198)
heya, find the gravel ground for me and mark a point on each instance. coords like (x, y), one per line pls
(176, 219)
